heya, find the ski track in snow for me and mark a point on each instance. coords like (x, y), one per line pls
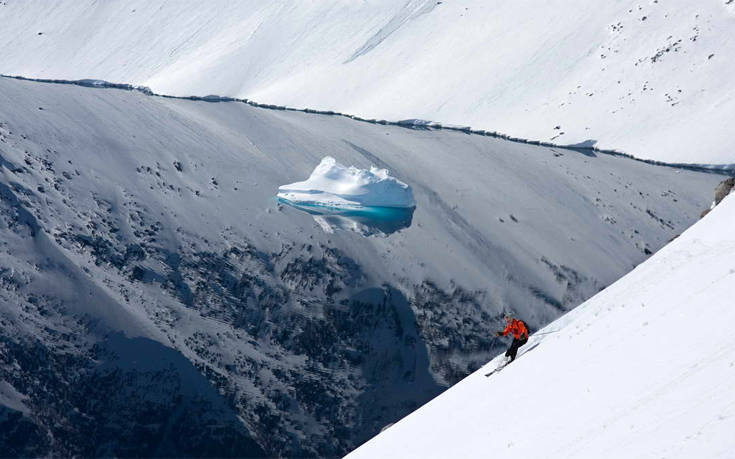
(411, 10)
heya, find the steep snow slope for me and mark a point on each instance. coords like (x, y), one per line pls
(650, 78)
(155, 217)
(643, 369)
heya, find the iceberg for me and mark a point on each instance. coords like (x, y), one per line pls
(335, 186)
(367, 202)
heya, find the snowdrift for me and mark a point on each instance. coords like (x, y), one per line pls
(333, 185)
(652, 79)
(643, 369)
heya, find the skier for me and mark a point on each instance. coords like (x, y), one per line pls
(520, 335)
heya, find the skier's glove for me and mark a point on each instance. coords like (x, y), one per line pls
(498, 333)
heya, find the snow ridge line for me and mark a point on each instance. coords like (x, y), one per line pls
(419, 124)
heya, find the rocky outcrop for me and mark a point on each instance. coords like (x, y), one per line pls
(723, 189)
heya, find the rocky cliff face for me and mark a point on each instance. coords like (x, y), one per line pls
(723, 189)
(155, 299)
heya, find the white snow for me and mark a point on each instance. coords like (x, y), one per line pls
(643, 369)
(652, 78)
(333, 185)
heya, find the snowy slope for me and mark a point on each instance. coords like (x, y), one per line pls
(643, 369)
(650, 78)
(158, 218)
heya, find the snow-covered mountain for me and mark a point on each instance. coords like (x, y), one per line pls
(156, 299)
(643, 369)
(651, 78)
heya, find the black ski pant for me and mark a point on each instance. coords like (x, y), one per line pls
(513, 349)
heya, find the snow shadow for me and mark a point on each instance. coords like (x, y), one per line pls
(395, 364)
(586, 148)
(160, 405)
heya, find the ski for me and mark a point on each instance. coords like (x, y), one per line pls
(496, 370)
(532, 347)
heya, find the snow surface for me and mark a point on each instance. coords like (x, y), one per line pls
(643, 369)
(333, 185)
(652, 79)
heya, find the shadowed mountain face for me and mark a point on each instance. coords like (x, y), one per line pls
(127, 397)
(156, 299)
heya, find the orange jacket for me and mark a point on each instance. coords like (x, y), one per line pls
(518, 328)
